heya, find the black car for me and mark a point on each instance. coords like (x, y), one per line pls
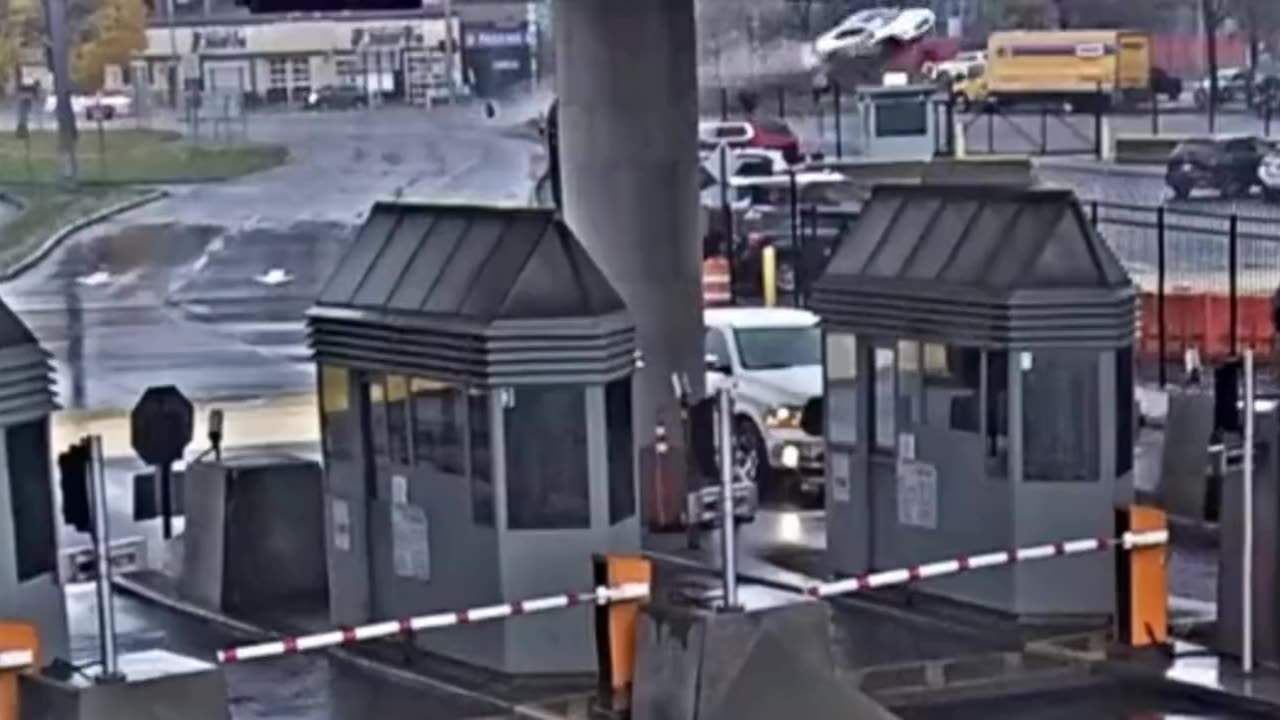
(337, 98)
(1228, 165)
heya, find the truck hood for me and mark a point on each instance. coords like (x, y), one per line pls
(784, 386)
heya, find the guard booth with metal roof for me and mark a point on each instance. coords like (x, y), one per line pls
(475, 378)
(29, 586)
(979, 391)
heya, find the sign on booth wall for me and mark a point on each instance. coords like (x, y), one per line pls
(342, 525)
(410, 546)
(917, 494)
(841, 490)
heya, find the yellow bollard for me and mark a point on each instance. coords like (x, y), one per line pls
(1144, 582)
(769, 274)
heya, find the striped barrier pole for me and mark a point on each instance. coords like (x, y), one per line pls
(902, 576)
(626, 592)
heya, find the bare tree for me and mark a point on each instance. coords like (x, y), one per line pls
(1212, 13)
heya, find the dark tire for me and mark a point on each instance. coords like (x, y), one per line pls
(1233, 188)
(1271, 195)
(1181, 192)
(963, 103)
(750, 455)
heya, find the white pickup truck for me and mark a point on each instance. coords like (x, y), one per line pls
(771, 358)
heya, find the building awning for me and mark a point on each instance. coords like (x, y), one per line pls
(478, 294)
(26, 373)
(977, 265)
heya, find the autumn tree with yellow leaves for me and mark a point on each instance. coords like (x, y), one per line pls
(19, 30)
(116, 30)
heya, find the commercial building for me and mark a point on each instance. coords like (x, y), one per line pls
(277, 59)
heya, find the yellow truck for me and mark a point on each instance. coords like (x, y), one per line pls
(1087, 68)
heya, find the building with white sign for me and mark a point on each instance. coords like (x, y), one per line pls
(283, 59)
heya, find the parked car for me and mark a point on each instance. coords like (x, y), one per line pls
(758, 133)
(1233, 86)
(337, 98)
(1165, 85)
(102, 106)
(1269, 175)
(869, 32)
(947, 71)
(1227, 164)
(771, 358)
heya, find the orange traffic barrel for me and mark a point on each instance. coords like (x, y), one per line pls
(715, 282)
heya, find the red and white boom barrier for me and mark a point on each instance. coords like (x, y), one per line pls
(902, 576)
(627, 592)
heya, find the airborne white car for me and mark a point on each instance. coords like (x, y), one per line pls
(867, 32)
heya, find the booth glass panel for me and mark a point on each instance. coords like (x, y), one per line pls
(376, 391)
(31, 498)
(621, 451)
(398, 420)
(884, 399)
(1060, 416)
(438, 425)
(952, 382)
(842, 388)
(910, 409)
(337, 417)
(1126, 415)
(545, 433)
(901, 118)
(997, 412)
(480, 444)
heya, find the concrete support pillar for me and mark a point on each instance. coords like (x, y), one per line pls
(626, 78)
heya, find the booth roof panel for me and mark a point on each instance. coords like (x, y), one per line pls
(988, 238)
(479, 264)
(13, 331)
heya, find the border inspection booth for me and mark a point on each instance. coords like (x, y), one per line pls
(475, 378)
(979, 392)
(899, 122)
(29, 587)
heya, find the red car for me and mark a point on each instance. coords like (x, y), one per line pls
(765, 134)
(776, 135)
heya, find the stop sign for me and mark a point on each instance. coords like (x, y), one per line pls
(160, 425)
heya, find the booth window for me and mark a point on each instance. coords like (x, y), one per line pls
(545, 432)
(997, 427)
(884, 399)
(438, 425)
(622, 478)
(952, 387)
(901, 118)
(398, 419)
(335, 411)
(1059, 416)
(1125, 411)
(31, 498)
(481, 453)
(842, 388)
(910, 410)
(377, 392)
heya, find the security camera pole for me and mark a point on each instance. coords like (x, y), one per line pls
(728, 546)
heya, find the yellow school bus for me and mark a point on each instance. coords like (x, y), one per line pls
(1081, 66)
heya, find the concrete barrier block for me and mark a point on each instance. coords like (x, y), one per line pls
(694, 663)
(160, 686)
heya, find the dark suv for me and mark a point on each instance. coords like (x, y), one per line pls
(1228, 165)
(337, 98)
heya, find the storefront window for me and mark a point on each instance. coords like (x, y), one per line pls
(546, 453)
(482, 503)
(335, 412)
(398, 419)
(438, 425)
(1059, 416)
(622, 479)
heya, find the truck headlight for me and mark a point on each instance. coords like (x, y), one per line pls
(783, 416)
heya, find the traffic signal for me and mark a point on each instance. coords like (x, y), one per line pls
(73, 473)
(288, 6)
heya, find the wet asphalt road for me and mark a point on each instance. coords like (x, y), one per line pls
(167, 293)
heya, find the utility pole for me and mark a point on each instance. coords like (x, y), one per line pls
(1211, 18)
(59, 45)
(175, 80)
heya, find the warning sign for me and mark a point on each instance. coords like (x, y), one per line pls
(917, 494)
(411, 551)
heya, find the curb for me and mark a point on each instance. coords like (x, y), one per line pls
(12, 200)
(61, 235)
(355, 660)
(1100, 168)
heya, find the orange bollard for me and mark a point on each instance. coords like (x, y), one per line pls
(1143, 610)
(19, 652)
(616, 628)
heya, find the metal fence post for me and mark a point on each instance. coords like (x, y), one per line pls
(782, 102)
(1155, 112)
(835, 90)
(724, 103)
(1044, 130)
(991, 129)
(1233, 280)
(1161, 330)
(1093, 213)
(795, 228)
(1097, 123)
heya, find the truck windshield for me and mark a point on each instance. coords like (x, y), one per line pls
(781, 347)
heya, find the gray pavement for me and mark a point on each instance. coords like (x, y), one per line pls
(167, 293)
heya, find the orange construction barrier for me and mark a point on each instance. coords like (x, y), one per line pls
(1203, 321)
(715, 282)
(19, 652)
(616, 629)
(1144, 582)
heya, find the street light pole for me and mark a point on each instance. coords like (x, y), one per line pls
(175, 79)
(450, 48)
